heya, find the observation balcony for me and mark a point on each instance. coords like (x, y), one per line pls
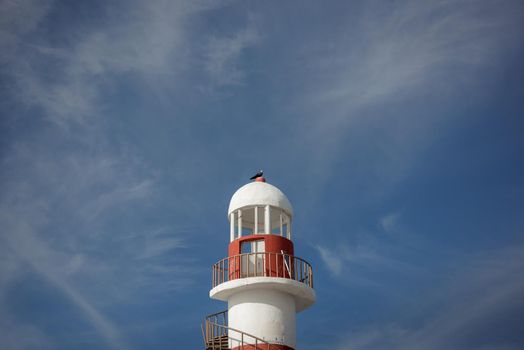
(262, 264)
(264, 270)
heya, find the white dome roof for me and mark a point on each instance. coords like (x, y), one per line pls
(259, 193)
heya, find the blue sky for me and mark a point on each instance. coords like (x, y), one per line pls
(394, 127)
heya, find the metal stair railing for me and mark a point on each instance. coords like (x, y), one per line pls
(215, 335)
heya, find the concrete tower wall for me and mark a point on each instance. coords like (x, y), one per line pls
(265, 312)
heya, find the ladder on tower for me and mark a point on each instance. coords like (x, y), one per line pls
(215, 331)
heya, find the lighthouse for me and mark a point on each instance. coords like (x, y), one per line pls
(262, 280)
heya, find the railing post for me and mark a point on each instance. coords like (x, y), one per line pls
(267, 267)
(270, 267)
(212, 336)
(301, 270)
(276, 257)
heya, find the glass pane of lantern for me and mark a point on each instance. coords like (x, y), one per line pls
(248, 221)
(246, 231)
(274, 215)
(285, 225)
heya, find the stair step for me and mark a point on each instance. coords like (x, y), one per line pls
(220, 343)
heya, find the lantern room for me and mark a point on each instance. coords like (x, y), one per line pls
(259, 208)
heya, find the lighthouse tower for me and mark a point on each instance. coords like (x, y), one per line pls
(261, 279)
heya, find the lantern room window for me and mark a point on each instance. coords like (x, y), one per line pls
(257, 220)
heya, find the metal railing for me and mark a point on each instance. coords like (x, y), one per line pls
(262, 265)
(218, 318)
(219, 336)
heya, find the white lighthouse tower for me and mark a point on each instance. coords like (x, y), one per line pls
(261, 279)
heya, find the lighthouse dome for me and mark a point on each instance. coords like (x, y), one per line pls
(259, 194)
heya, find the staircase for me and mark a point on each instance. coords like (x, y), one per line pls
(218, 343)
(216, 333)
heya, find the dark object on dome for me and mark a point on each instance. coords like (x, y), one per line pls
(257, 175)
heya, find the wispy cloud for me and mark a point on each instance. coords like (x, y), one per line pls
(332, 260)
(159, 243)
(387, 60)
(19, 18)
(58, 221)
(18, 336)
(477, 307)
(70, 193)
(142, 40)
(71, 201)
(372, 259)
(413, 45)
(22, 241)
(388, 222)
(223, 56)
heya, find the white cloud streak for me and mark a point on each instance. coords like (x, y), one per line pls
(22, 241)
(485, 293)
(223, 54)
(159, 243)
(333, 261)
(19, 18)
(58, 221)
(57, 216)
(15, 336)
(391, 57)
(145, 40)
(361, 259)
(388, 222)
(412, 45)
